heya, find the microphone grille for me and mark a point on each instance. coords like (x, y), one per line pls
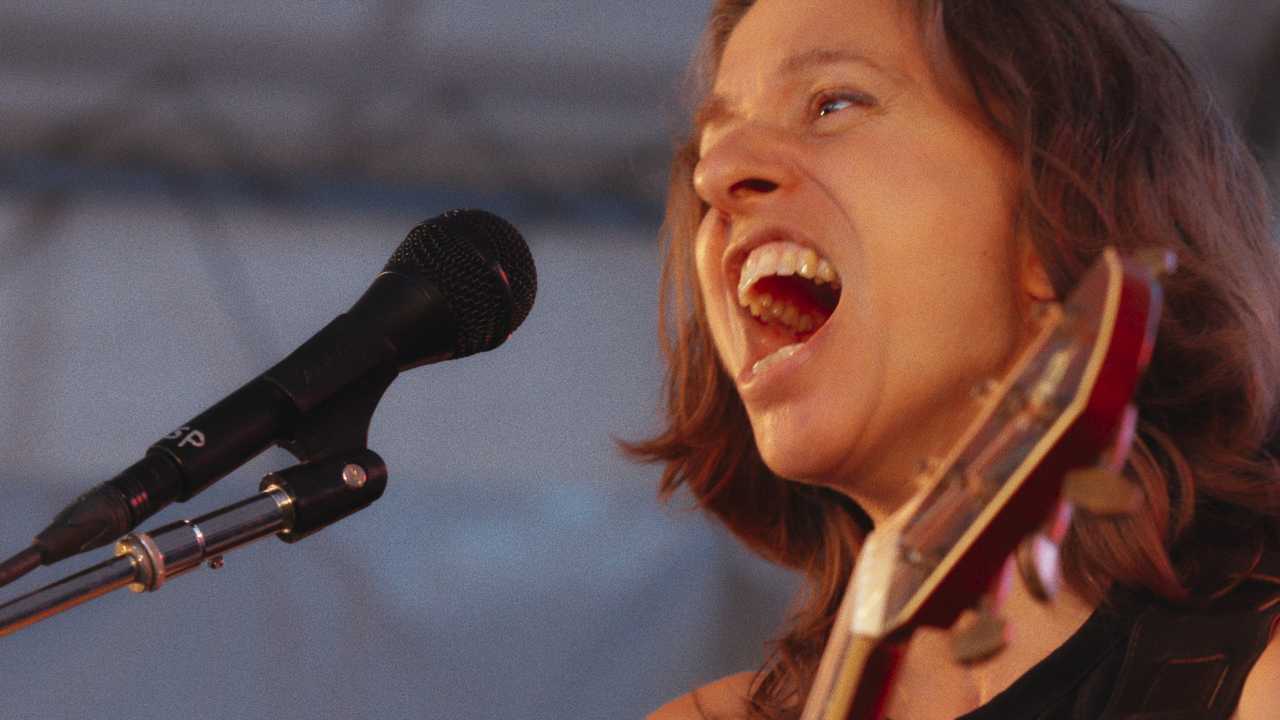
(482, 265)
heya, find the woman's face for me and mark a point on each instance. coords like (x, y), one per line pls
(828, 141)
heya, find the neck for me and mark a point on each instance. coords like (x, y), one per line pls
(1036, 629)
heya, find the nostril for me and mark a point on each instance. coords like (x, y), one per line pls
(752, 186)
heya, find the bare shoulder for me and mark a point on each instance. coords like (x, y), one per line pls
(724, 699)
(1261, 696)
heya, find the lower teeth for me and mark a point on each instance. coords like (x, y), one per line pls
(776, 357)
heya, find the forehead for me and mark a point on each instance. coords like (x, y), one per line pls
(777, 40)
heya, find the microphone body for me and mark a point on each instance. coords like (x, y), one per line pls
(457, 285)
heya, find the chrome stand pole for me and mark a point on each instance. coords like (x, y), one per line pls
(144, 561)
(293, 503)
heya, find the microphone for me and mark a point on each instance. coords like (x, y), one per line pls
(459, 284)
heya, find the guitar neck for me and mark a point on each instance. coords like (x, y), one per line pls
(858, 681)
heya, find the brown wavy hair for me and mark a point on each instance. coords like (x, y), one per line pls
(1117, 145)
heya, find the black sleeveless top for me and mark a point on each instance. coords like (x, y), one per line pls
(1150, 662)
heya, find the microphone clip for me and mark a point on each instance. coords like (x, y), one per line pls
(341, 423)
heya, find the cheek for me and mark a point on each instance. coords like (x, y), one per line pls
(703, 252)
(936, 214)
(708, 248)
(942, 203)
(943, 206)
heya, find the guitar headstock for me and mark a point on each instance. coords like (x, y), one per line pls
(1059, 423)
(1059, 409)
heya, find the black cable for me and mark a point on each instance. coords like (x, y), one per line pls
(19, 565)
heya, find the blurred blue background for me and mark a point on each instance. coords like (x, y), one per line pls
(189, 190)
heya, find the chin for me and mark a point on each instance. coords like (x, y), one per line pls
(801, 451)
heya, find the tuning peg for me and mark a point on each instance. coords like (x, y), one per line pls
(1160, 262)
(1043, 311)
(1113, 457)
(928, 466)
(1037, 561)
(984, 390)
(1101, 491)
(980, 635)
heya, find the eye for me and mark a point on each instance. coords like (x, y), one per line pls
(829, 103)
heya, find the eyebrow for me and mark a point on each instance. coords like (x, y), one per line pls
(830, 56)
(717, 107)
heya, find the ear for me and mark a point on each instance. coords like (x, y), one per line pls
(1033, 278)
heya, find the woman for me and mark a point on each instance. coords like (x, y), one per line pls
(934, 169)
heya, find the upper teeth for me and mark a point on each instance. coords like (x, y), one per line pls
(783, 257)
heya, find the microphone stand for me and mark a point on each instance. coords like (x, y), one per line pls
(292, 503)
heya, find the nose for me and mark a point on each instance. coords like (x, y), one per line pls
(743, 167)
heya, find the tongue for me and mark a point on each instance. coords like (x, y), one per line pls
(808, 298)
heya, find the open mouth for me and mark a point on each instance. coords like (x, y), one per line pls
(789, 288)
